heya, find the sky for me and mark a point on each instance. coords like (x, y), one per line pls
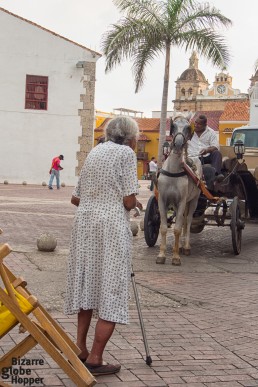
(85, 21)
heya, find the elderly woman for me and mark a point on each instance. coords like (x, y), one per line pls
(99, 264)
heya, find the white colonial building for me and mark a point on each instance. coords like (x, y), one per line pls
(46, 101)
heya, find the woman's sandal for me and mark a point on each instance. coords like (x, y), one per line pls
(102, 369)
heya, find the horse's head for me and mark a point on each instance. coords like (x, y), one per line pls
(181, 132)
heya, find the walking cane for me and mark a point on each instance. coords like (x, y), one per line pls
(148, 357)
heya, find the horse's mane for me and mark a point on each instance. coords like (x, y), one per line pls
(186, 116)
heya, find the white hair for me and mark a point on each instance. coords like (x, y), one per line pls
(121, 130)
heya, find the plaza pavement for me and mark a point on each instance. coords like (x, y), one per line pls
(201, 318)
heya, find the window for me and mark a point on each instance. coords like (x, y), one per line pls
(36, 92)
(183, 91)
(248, 136)
(140, 146)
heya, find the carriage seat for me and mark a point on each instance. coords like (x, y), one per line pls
(214, 183)
(228, 165)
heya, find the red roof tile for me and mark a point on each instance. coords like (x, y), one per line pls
(145, 124)
(236, 111)
(148, 124)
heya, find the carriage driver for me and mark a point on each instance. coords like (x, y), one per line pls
(204, 143)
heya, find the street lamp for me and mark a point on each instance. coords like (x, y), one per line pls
(239, 149)
(166, 148)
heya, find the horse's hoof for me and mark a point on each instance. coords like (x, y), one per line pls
(187, 251)
(161, 260)
(176, 261)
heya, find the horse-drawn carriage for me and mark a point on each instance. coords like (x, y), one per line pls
(183, 198)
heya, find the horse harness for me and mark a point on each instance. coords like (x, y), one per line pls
(171, 146)
(174, 138)
(178, 174)
(188, 171)
(166, 173)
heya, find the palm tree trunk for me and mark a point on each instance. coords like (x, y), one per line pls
(163, 116)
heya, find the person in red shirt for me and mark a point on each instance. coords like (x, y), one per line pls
(55, 171)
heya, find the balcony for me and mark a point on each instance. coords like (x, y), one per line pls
(142, 155)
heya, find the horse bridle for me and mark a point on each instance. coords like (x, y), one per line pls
(178, 174)
(174, 138)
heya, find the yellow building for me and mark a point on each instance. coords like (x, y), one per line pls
(235, 115)
(147, 146)
(101, 116)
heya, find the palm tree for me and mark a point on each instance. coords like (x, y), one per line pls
(152, 27)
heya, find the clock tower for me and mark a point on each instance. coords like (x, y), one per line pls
(220, 93)
(222, 86)
(194, 94)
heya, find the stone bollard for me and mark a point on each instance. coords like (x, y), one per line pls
(24, 183)
(6, 182)
(63, 184)
(134, 228)
(46, 242)
(44, 184)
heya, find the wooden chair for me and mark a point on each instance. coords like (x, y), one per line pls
(17, 305)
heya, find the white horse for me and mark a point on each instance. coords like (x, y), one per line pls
(177, 189)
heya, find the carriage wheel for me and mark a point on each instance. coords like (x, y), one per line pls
(240, 191)
(151, 222)
(236, 226)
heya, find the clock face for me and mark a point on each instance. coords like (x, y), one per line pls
(221, 89)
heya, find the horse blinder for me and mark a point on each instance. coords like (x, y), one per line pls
(187, 132)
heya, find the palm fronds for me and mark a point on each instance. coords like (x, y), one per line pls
(151, 27)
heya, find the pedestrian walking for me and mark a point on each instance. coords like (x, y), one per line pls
(152, 170)
(55, 171)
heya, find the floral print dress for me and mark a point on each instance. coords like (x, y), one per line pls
(99, 262)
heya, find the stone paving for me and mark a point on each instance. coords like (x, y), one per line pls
(201, 318)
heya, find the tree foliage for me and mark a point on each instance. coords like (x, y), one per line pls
(149, 28)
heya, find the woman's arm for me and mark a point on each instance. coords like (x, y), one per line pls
(129, 202)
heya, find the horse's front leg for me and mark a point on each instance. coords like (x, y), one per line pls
(163, 231)
(184, 231)
(191, 208)
(177, 233)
